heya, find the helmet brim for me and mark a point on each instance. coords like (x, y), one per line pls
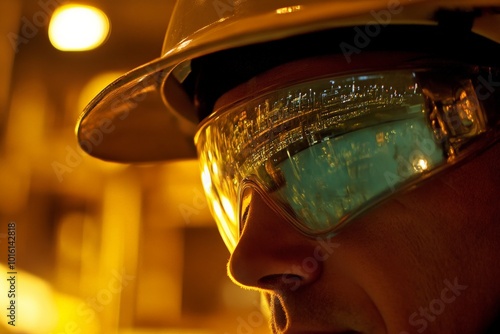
(128, 121)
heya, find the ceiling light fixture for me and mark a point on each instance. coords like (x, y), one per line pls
(78, 28)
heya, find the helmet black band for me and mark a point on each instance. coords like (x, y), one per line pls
(217, 73)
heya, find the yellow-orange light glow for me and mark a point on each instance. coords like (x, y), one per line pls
(206, 180)
(33, 301)
(217, 210)
(228, 236)
(94, 86)
(288, 10)
(215, 168)
(228, 208)
(78, 28)
(423, 164)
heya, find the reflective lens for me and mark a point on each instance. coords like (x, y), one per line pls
(324, 151)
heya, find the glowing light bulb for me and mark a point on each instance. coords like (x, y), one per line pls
(78, 28)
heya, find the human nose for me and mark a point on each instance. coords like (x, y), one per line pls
(271, 254)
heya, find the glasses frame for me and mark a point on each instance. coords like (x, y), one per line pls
(458, 151)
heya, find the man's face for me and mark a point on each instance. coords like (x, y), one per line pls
(408, 266)
(418, 263)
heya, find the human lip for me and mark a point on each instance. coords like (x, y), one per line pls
(284, 323)
(291, 331)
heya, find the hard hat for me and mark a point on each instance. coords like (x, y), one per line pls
(126, 121)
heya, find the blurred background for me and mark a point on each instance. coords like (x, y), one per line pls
(100, 247)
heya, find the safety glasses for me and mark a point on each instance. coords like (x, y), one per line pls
(324, 151)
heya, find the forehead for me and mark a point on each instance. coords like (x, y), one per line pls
(316, 67)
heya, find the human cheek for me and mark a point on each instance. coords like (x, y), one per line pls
(382, 253)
